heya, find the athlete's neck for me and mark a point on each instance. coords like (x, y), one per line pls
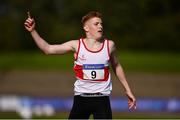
(93, 40)
(93, 44)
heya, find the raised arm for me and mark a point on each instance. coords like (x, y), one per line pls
(43, 45)
(118, 70)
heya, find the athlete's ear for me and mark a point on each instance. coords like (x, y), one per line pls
(86, 28)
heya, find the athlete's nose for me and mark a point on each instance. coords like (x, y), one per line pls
(100, 26)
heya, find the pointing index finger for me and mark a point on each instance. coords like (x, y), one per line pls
(29, 15)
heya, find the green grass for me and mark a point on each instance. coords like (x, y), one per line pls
(131, 61)
(35, 61)
(150, 61)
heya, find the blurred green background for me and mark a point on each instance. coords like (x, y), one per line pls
(146, 33)
(132, 24)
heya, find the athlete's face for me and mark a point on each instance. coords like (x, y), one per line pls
(93, 28)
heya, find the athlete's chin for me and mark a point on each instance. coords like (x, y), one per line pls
(98, 37)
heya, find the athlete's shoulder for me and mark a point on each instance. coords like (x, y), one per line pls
(111, 45)
(111, 42)
(74, 44)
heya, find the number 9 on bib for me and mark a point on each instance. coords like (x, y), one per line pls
(93, 71)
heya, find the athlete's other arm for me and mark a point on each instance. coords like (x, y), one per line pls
(43, 45)
(118, 70)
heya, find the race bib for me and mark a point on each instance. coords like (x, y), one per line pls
(93, 71)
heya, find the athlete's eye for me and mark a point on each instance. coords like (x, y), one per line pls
(96, 23)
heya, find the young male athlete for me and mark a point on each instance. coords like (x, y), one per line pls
(93, 55)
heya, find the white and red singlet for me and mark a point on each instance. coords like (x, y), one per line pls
(92, 70)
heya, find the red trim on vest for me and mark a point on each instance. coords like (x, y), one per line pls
(108, 49)
(91, 50)
(78, 71)
(77, 50)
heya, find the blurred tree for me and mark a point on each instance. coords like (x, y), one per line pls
(132, 24)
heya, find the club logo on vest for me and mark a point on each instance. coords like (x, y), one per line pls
(82, 58)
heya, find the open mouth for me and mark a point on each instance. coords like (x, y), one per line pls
(100, 31)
